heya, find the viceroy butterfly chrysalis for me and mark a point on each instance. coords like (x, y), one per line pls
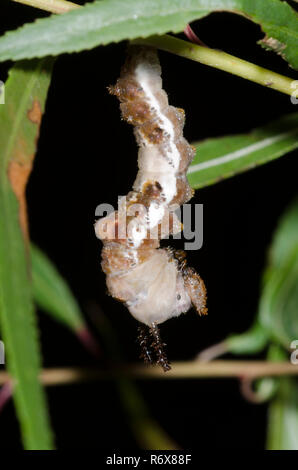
(154, 283)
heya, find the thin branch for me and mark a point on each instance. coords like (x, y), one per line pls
(205, 55)
(213, 352)
(53, 6)
(220, 60)
(63, 376)
(180, 370)
(196, 369)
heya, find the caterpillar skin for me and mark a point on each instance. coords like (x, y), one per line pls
(154, 283)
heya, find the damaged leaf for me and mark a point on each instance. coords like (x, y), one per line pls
(25, 94)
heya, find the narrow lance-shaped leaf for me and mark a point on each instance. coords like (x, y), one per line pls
(52, 294)
(108, 21)
(20, 116)
(222, 157)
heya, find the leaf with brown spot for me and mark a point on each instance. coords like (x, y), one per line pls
(20, 116)
(271, 44)
(18, 174)
(35, 113)
(20, 123)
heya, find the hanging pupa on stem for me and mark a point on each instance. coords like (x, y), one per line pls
(154, 283)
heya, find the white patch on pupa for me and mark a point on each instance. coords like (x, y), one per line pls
(159, 168)
(154, 164)
(155, 214)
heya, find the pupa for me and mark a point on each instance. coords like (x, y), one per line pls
(154, 283)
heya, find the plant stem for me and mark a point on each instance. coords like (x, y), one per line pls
(220, 60)
(205, 55)
(54, 6)
(213, 352)
(180, 370)
(196, 369)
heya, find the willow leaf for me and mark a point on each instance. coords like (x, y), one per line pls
(222, 157)
(52, 294)
(251, 341)
(20, 117)
(108, 21)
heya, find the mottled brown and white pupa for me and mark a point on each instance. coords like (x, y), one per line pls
(154, 284)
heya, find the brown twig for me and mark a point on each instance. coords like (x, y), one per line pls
(213, 352)
(180, 370)
(216, 369)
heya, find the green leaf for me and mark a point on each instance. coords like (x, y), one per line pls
(285, 239)
(25, 94)
(250, 342)
(279, 302)
(223, 157)
(52, 294)
(279, 299)
(108, 21)
(283, 417)
(282, 422)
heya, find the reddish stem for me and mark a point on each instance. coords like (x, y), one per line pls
(191, 35)
(5, 394)
(89, 342)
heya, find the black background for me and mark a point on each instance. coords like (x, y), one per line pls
(86, 156)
